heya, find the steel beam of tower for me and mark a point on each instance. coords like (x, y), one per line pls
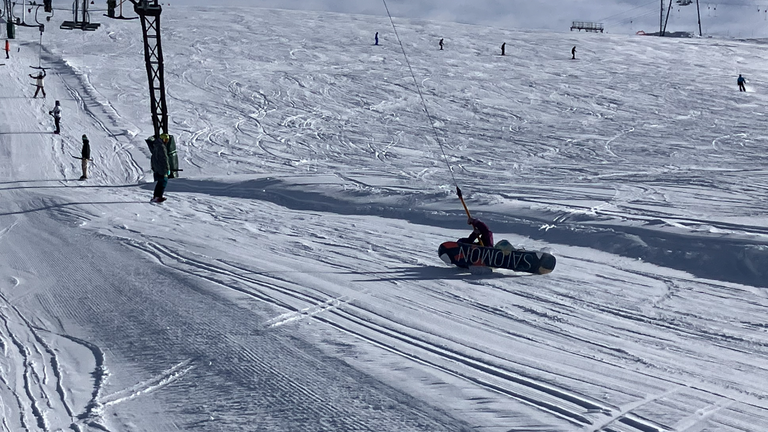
(149, 12)
(8, 12)
(698, 13)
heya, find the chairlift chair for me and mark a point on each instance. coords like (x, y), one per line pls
(21, 21)
(111, 5)
(80, 24)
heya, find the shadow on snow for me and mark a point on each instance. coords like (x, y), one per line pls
(714, 257)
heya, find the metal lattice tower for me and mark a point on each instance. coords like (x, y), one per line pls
(8, 12)
(8, 8)
(149, 12)
(663, 21)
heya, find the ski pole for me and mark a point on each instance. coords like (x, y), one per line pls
(458, 192)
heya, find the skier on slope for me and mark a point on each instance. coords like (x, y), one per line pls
(56, 113)
(376, 38)
(740, 81)
(85, 155)
(573, 53)
(7, 49)
(503, 48)
(160, 167)
(39, 82)
(441, 44)
(479, 231)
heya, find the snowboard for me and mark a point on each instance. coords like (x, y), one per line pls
(465, 255)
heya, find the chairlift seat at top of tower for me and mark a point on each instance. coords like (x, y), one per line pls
(21, 23)
(80, 22)
(111, 5)
(684, 2)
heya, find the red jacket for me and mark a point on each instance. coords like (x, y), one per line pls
(481, 230)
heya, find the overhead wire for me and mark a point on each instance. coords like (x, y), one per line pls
(611, 17)
(421, 95)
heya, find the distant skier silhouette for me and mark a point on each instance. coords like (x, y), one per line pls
(573, 53)
(740, 81)
(85, 155)
(376, 38)
(7, 49)
(503, 45)
(441, 44)
(56, 114)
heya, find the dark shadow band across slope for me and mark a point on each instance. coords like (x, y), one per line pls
(712, 256)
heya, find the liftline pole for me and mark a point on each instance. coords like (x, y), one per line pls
(149, 12)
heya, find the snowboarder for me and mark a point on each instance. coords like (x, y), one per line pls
(85, 155)
(741, 82)
(573, 53)
(441, 44)
(504, 44)
(160, 167)
(479, 231)
(56, 113)
(376, 38)
(7, 49)
(39, 82)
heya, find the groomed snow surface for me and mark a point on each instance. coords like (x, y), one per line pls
(291, 281)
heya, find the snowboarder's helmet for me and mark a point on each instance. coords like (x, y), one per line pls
(164, 137)
(85, 138)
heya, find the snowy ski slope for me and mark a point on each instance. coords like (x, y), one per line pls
(291, 282)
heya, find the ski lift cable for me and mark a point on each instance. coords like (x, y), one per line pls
(638, 15)
(40, 51)
(423, 101)
(633, 18)
(614, 16)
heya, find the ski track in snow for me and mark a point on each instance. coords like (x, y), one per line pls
(290, 281)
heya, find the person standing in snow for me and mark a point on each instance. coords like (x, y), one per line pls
(56, 113)
(503, 45)
(740, 81)
(376, 38)
(441, 44)
(479, 231)
(7, 49)
(573, 53)
(160, 167)
(39, 82)
(85, 155)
